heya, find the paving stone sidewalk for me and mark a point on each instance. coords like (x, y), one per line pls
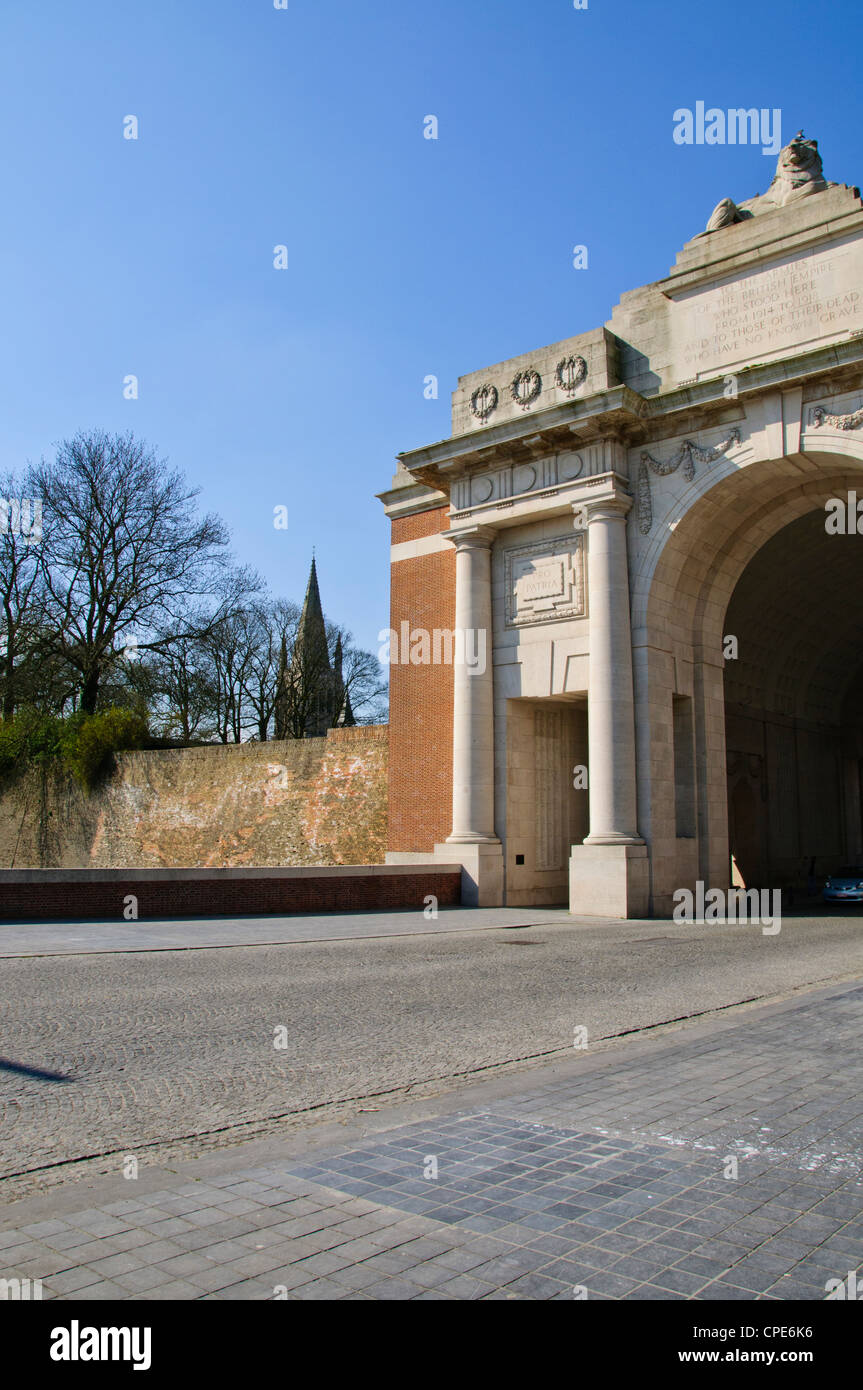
(601, 1180)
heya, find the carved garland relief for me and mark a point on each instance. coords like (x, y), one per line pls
(820, 417)
(688, 454)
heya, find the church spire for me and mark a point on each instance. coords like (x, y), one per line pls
(312, 629)
(311, 676)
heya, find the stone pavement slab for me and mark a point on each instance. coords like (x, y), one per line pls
(648, 1173)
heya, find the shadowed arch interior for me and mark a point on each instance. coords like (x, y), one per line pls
(797, 616)
(792, 734)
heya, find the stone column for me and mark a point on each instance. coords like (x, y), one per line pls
(473, 709)
(608, 873)
(611, 707)
(473, 840)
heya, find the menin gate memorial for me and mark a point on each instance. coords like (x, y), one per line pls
(610, 510)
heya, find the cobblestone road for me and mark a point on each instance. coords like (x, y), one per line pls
(107, 1054)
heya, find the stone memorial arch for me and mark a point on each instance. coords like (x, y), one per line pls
(653, 527)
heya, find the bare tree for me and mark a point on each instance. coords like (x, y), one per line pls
(231, 647)
(124, 556)
(176, 684)
(364, 682)
(273, 626)
(22, 598)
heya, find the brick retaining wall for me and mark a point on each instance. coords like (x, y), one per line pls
(40, 894)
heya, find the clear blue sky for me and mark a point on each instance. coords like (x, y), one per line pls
(406, 256)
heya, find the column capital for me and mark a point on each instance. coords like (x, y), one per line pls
(613, 508)
(471, 537)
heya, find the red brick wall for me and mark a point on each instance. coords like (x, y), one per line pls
(421, 697)
(420, 525)
(190, 897)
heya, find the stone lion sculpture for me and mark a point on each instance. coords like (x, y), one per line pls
(798, 173)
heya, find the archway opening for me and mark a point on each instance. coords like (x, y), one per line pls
(793, 681)
(747, 554)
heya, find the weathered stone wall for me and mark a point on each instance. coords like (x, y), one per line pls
(314, 801)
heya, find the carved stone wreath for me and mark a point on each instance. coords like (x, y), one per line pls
(820, 417)
(483, 401)
(569, 373)
(688, 454)
(525, 387)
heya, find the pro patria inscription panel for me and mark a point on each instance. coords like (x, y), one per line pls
(545, 581)
(808, 300)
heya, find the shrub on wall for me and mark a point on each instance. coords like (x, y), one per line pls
(84, 744)
(89, 741)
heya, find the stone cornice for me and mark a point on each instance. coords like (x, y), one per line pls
(622, 413)
(690, 400)
(573, 423)
(411, 498)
